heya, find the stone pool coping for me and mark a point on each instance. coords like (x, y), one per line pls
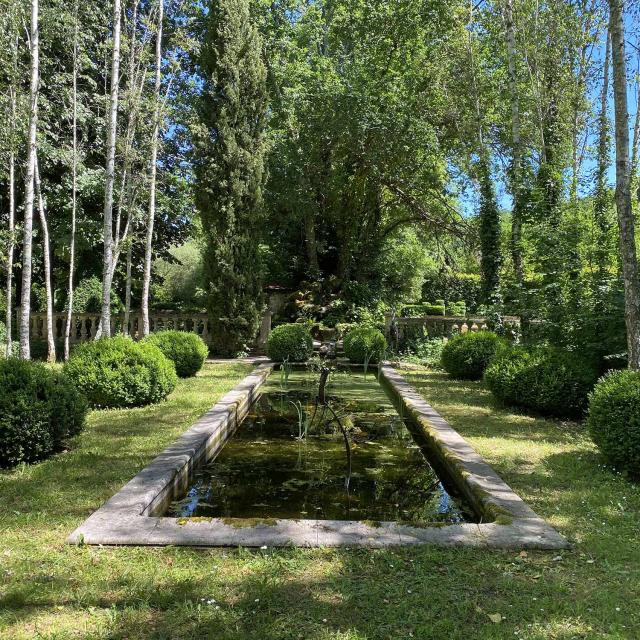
(131, 517)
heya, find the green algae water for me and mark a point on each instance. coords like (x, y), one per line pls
(281, 464)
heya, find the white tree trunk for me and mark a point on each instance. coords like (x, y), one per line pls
(127, 292)
(74, 189)
(148, 251)
(112, 124)
(32, 146)
(626, 226)
(12, 221)
(51, 343)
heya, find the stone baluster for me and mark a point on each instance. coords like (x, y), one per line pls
(474, 327)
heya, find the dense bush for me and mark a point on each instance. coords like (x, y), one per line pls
(39, 410)
(87, 297)
(186, 350)
(118, 372)
(290, 342)
(614, 419)
(467, 355)
(425, 351)
(423, 309)
(452, 285)
(547, 380)
(458, 308)
(364, 342)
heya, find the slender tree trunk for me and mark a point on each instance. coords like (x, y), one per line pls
(516, 142)
(623, 186)
(127, 292)
(311, 243)
(74, 189)
(601, 197)
(148, 251)
(46, 250)
(32, 146)
(12, 218)
(112, 124)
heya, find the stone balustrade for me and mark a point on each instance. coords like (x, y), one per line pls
(85, 325)
(441, 326)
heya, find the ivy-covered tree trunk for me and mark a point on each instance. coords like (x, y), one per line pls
(626, 223)
(229, 169)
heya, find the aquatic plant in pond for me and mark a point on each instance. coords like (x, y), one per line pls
(267, 471)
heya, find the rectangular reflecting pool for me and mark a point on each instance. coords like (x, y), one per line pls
(352, 458)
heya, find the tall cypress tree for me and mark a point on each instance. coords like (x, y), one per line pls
(230, 147)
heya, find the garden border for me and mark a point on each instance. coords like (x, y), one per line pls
(131, 517)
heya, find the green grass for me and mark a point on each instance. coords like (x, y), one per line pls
(50, 590)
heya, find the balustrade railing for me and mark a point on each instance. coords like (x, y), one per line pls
(85, 325)
(400, 328)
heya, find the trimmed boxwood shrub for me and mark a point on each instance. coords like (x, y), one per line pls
(39, 410)
(547, 380)
(118, 372)
(362, 342)
(614, 420)
(186, 350)
(291, 342)
(467, 355)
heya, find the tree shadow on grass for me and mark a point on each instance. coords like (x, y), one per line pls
(472, 410)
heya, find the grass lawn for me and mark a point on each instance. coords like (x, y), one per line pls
(50, 590)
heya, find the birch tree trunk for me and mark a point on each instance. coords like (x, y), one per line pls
(74, 187)
(12, 217)
(51, 343)
(105, 319)
(148, 251)
(623, 185)
(32, 146)
(127, 291)
(516, 142)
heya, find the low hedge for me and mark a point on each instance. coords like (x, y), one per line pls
(547, 380)
(292, 342)
(118, 372)
(614, 420)
(39, 411)
(186, 350)
(467, 355)
(363, 342)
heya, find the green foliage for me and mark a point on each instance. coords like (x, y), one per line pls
(546, 379)
(490, 250)
(364, 344)
(614, 419)
(118, 372)
(467, 355)
(179, 279)
(87, 297)
(426, 351)
(422, 309)
(291, 342)
(452, 285)
(39, 411)
(230, 146)
(457, 308)
(186, 350)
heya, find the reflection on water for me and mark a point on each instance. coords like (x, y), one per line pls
(268, 471)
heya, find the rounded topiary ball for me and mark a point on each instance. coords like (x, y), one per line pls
(186, 350)
(118, 372)
(364, 342)
(547, 380)
(467, 355)
(292, 342)
(39, 410)
(614, 419)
